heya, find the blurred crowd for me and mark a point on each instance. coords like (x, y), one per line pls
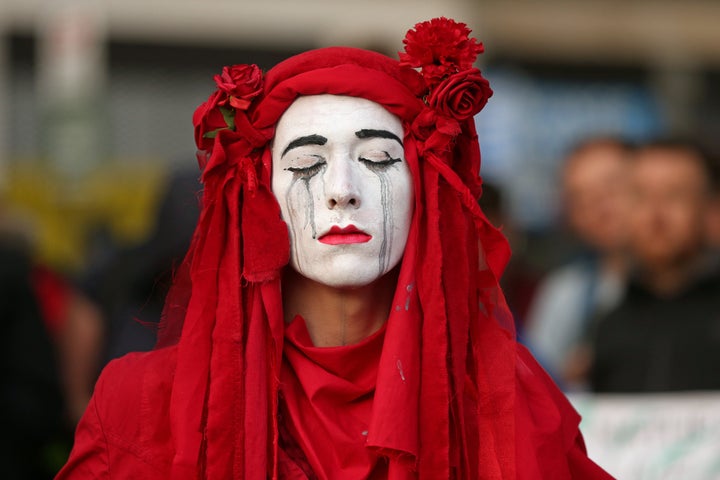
(60, 330)
(637, 309)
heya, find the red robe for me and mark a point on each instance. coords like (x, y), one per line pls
(125, 431)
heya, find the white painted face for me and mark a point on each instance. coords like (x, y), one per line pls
(344, 188)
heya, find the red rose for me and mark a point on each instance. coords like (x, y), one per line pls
(461, 95)
(208, 118)
(241, 84)
(440, 47)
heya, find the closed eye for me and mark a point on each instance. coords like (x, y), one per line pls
(379, 165)
(307, 172)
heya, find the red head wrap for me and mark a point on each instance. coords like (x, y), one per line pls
(454, 406)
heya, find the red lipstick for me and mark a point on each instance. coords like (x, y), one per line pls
(345, 235)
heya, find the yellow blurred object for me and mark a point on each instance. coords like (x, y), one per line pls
(121, 197)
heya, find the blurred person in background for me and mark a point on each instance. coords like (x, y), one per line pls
(665, 333)
(595, 199)
(76, 328)
(31, 397)
(129, 284)
(713, 215)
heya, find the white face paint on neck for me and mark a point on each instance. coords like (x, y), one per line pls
(344, 188)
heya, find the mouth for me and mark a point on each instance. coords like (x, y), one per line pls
(343, 236)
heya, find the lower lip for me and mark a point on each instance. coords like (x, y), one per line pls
(344, 238)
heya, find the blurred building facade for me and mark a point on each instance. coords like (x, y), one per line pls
(96, 97)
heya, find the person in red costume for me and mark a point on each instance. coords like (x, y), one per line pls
(338, 314)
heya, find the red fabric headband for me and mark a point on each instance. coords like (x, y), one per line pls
(434, 89)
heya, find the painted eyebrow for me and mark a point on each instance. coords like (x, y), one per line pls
(369, 133)
(306, 140)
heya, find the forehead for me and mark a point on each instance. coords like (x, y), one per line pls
(593, 162)
(669, 165)
(334, 115)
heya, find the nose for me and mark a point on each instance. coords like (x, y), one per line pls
(341, 187)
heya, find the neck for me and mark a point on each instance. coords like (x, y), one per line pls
(338, 316)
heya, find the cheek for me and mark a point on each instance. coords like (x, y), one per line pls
(402, 199)
(689, 221)
(280, 184)
(300, 211)
(290, 207)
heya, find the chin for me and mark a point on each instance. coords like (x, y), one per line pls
(343, 273)
(346, 283)
(343, 279)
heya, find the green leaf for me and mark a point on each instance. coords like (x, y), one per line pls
(214, 133)
(229, 116)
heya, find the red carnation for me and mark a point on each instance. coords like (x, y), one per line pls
(440, 47)
(461, 95)
(241, 83)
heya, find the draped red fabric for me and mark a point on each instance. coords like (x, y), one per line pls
(421, 419)
(453, 394)
(328, 394)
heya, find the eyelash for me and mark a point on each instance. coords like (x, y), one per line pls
(307, 172)
(378, 166)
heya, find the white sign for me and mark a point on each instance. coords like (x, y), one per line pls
(658, 437)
